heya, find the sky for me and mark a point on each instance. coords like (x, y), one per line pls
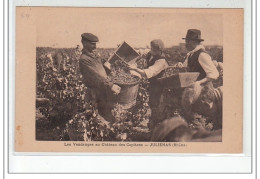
(62, 27)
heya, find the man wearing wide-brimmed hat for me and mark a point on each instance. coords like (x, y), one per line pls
(198, 60)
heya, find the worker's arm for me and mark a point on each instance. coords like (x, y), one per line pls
(153, 70)
(209, 68)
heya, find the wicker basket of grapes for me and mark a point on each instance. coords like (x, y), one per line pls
(175, 77)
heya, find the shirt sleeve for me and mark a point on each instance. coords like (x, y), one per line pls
(155, 69)
(91, 77)
(208, 66)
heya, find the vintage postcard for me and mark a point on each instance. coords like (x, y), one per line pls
(129, 80)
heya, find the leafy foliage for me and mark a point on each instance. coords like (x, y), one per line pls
(71, 115)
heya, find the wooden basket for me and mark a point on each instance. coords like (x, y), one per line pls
(124, 53)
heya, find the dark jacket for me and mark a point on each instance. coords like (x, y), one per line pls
(95, 78)
(93, 72)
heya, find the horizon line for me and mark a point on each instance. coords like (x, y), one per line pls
(116, 47)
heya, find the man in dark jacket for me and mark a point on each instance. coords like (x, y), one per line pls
(95, 76)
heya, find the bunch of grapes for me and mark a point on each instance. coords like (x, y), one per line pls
(199, 121)
(173, 71)
(120, 76)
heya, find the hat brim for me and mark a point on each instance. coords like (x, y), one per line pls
(193, 39)
(94, 42)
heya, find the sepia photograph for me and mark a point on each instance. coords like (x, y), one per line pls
(129, 87)
(152, 76)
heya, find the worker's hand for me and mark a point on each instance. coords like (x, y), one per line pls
(179, 65)
(107, 65)
(220, 65)
(135, 73)
(132, 66)
(116, 89)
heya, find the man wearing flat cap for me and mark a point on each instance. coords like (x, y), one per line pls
(198, 60)
(156, 64)
(95, 76)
